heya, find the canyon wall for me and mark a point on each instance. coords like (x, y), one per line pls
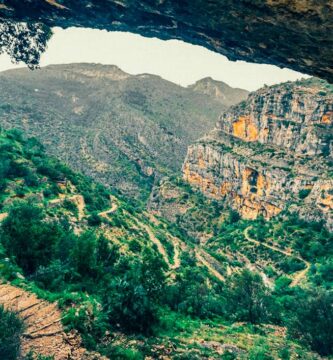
(271, 152)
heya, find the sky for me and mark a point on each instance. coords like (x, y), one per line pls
(173, 60)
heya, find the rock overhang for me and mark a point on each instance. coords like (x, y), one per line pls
(287, 33)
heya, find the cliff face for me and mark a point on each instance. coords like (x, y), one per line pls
(271, 152)
(288, 33)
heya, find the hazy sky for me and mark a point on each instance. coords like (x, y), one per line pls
(173, 60)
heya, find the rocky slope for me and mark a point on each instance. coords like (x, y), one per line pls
(118, 128)
(258, 31)
(44, 334)
(271, 152)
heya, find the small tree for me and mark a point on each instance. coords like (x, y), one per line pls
(28, 238)
(311, 320)
(132, 301)
(24, 41)
(248, 298)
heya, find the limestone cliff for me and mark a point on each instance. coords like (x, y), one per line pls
(271, 152)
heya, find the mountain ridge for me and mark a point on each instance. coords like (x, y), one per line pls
(99, 113)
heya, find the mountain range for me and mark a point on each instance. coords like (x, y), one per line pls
(123, 130)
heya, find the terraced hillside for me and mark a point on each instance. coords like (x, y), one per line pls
(90, 273)
(284, 246)
(118, 128)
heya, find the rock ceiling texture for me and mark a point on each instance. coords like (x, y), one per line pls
(297, 34)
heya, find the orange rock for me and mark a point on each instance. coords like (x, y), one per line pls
(327, 118)
(245, 129)
(225, 188)
(201, 161)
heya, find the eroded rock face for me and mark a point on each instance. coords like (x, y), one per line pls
(288, 33)
(271, 152)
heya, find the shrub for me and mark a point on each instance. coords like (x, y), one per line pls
(133, 300)
(71, 207)
(312, 320)
(27, 238)
(11, 328)
(248, 298)
(304, 193)
(94, 219)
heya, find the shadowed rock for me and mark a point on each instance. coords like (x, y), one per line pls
(287, 33)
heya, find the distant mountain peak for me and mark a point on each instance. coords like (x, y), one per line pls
(210, 80)
(219, 90)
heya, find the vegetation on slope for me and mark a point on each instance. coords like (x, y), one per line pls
(102, 262)
(116, 127)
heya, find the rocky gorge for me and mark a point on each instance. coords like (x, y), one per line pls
(270, 153)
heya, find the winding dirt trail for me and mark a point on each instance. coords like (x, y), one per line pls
(77, 199)
(176, 243)
(299, 275)
(157, 242)
(176, 257)
(201, 256)
(105, 214)
(43, 332)
(3, 216)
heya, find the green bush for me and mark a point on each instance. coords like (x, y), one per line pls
(27, 238)
(117, 352)
(11, 329)
(311, 320)
(133, 300)
(260, 351)
(304, 193)
(248, 298)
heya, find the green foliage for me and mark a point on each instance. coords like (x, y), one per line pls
(84, 254)
(70, 206)
(117, 352)
(312, 320)
(33, 356)
(105, 288)
(133, 300)
(304, 193)
(89, 320)
(24, 42)
(27, 238)
(248, 298)
(260, 351)
(192, 295)
(11, 328)
(135, 246)
(94, 219)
